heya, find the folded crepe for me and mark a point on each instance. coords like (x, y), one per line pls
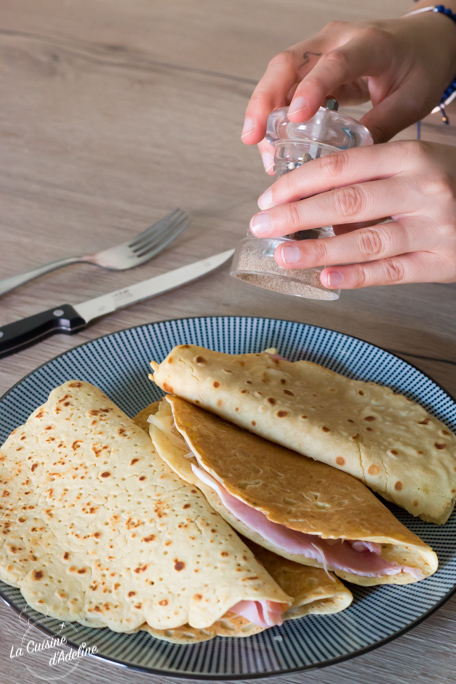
(298, 508)
(96, 528)
(314, 591)
(382, 438)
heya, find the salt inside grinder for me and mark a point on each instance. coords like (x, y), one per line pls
(295, 144)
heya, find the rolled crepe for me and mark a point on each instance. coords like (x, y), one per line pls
(314, 591)
(97, 529)
(301, 509)
(382, 438)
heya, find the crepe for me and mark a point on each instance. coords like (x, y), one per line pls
(382, 438)
(301, 509)
(230, 625)
(96, 528)
(313, 590)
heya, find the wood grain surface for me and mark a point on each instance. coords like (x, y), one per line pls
(116, 112)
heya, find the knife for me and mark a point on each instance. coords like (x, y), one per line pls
(70, 319)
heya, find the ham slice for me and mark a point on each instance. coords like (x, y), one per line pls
(357, 557)
(262, 613)
(370, 546)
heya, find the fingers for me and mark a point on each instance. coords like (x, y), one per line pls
(337, 170)
(351, 94)
(337, 67)
(417, 267)
(350, 204)
(393, 114)
(267, 155)
(310, 71)
(359, 246)
(270, 93)
(277, 86)
(349, 227)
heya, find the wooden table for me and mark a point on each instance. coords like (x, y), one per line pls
(113, 114)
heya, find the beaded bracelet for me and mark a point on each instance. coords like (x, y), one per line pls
(449, 93)
(441, 9)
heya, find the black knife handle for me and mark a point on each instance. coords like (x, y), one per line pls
(20, 334)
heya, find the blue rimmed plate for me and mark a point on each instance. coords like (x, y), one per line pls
(119, 364)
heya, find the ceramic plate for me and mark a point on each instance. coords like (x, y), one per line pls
(119, 364)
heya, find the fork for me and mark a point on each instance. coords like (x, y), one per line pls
(127, 255)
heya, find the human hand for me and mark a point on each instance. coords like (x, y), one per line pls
(402, 65)
(412, 182)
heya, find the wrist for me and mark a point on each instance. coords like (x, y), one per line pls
(441, 29)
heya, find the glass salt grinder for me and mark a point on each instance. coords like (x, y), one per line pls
(295, 144)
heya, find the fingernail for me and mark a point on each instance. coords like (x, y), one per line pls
(248, 127)
(335, 278)
(265, 200)
(290, 254)
(297, 105)
(260, 225)
(268, 161)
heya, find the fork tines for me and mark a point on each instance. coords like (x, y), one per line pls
(153, 238)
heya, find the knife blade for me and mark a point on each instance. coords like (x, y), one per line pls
(70, 319)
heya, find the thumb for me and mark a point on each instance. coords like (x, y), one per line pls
(396, 112)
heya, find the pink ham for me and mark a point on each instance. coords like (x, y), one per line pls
(262, 613)
(357, 558)
(370, 546)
